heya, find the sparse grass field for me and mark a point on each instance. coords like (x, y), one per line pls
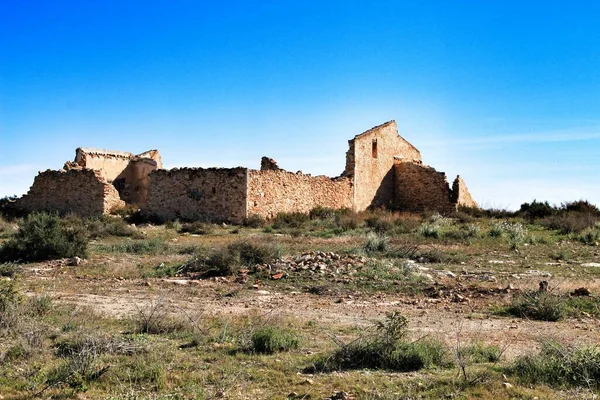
(377, 305)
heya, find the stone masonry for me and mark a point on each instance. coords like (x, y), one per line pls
(84, 192)
(382, 170)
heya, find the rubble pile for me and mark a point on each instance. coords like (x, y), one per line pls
(328, 264)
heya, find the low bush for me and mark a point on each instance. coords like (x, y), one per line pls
(197, 228)
(44, 236)
(560, 365)
(590, 235)
(429, 230)
(542, 306)
(254, 221)
(105, 226)
(272, 339)
(226, 261)
(9, 270)
(570, 222)
(375, 243)
(537, 210)
(294, 220)
(144, 246)
(387, 349)
(479, 352)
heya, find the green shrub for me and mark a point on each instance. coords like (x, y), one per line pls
(537, 209)
(479, 352)
(570, 222)
(560, 365)
(294, 220)
(197, 228)
(44, 236)
(542, 306)
(590, 235)
(9, 270)
(272, 339)
(320, 212)
(429, 230)
(375, 243)
(225, 261)
(9, 296)
(387, 349)
(254, 221)
(250, 253)
(144, 246)
(105, 226)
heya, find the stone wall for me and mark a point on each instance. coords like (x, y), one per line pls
(421, 188)
(370, 161)
(132, 183)
(460, 194)
(274, 191)
(84, 192)
(211, 194)
(111, 163)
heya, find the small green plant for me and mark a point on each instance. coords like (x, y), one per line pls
(560, 365)
(387, 349)
(254, 221)
(44, 236)
(197, 228)
(375, 243)
(143, 246)
(294, 220)
(9, 270)
(542, 306)
(272, 339)
(429, 230)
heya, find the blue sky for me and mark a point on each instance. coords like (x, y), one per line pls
(504, 93)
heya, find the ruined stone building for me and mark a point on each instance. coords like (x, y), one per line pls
(382, 170)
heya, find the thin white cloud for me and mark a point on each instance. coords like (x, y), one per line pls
(18, 169)
(565, 135)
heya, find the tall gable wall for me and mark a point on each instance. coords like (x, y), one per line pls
(211, 194)
(83, 192)
(370, 161)
(111, 163)
(274, 191)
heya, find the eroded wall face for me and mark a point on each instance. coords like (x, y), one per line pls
(271, 192)
(211, 194)
(111, 164)
(373, 160)
(83, 192)
(421, 188)
(461, 195)
(134, 181)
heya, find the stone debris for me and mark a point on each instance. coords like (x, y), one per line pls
(591, 264)
(582, 291)
(314, 263)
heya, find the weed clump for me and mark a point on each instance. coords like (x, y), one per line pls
(272, 339)
(226, 261)
(44, 236)
(560, 365)
(387, 349)
(375, 243)
(541, 306)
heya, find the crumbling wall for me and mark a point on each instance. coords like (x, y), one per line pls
(274, 191)
(111, 163)
(133, 182)
(460, 194)
(212, 194)
(370, 162)
(84, 192)
(421, 188)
